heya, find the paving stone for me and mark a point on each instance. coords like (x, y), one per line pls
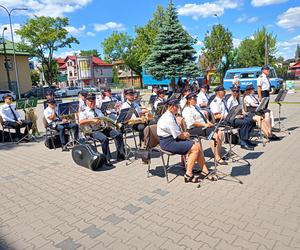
(148, 200)
(263, 241)
(113, 219)
(245, 244)
(161, 192)
(9, 177)
(132, 209)
(68, 244)
(92, 231)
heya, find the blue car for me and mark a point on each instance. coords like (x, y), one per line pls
(248, 76)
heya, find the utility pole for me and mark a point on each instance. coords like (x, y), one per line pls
(266, 50)
(6, 60)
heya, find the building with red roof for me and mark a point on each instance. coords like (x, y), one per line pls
(85, 70)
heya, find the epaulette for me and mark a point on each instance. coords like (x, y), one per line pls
(215, 100)
(261, 76)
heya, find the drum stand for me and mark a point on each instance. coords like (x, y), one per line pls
(216, 172)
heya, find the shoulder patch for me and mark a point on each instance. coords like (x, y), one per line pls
(215, 100)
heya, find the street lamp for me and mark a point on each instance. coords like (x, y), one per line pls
(6, 60)
(9, 12)
(216, 15)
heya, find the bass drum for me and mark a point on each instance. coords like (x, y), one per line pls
(86, 155)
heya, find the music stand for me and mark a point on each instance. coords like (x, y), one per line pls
(107, 106)
(161, 108)
(280, 98)
(175, 95)
(231, 154)
(263, 105)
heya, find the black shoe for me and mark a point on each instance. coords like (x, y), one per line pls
(275, 130)
(65, 149)
(274, 138)
(121, 157)
(252, 144)
(247, 147)
(109, 164)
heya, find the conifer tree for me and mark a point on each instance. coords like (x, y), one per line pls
(172, 54)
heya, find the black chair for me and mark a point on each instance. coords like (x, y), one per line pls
(7, 129)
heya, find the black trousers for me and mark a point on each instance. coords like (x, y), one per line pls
(61, 130)
(266, 93)
(25, 123)
(103, 135)
(245, 125)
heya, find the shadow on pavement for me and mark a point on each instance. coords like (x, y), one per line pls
(241, 170)
(253, 155)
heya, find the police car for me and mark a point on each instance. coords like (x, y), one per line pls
(250, 75)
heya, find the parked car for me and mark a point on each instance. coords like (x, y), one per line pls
(249, 76)
(38, 92)
(69, 91)
(90, 89)
(5, 92)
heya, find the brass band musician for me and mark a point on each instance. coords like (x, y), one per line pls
(54, 122)
(90, 118)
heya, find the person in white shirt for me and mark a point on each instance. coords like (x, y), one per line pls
(54, 122)
(236, 81)
(220, 110)
(160, 98)
(263, 83)
(88, 118)
(173, 140)
(81, 98)
(108, 97)
(202, 97)
(12, 118)
(234, 98)
(198, 125)
(186, 91)
(250, 103)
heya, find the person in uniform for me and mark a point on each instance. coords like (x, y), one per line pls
(198, 125)
(12, 118)
(160, 98)
(202, 97)
(108, 97)
(235, 98)
(81, 99)
(54, 122)
(177, 142)
(250, 103)
(48, 96)
(236, 81)
(220, 110)
(264, 84)
(88, 118)
(153, 95)
(186, 91)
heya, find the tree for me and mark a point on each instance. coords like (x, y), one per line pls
(217, 46)
(172, 53)
(146, 35)
(42, 36)
(35, 77)
(115, 46)
(91, 52)
(252, 50)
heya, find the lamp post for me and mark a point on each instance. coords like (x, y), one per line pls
(6, 60)
(9, 12)
(220, 74)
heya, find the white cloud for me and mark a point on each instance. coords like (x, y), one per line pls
(290, 19)
(66, 53)
(108, 26)
(245, 19)
(199, 43)
(89, 33)
(51, 8)
(258, 3)
(236, 42)
(290, 43)
(200, 10)
(207, 9)
(287, 48)
(76, 31)
(7, 33)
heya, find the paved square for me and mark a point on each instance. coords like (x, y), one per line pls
(47, 202)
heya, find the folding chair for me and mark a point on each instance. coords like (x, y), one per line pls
(6, 128)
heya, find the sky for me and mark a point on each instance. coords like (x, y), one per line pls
(91, 21)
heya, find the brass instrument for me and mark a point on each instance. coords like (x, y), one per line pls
(140, 120)
(106, 122)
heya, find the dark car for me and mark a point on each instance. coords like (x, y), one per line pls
(38, 92)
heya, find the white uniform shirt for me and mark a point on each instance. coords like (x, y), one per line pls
(232, 102)
(264, 82)
(88, 113)
(158, 100)
(99, 101)
(82, 105)
(47, 113)
(182, 102)
(251, 99)
(128, 104)
(218, 106)
(191, 115)
(167, 125)
(7, 114)
(202, 98)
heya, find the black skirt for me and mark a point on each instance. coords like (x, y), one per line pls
(175, 146)
(200, 131)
